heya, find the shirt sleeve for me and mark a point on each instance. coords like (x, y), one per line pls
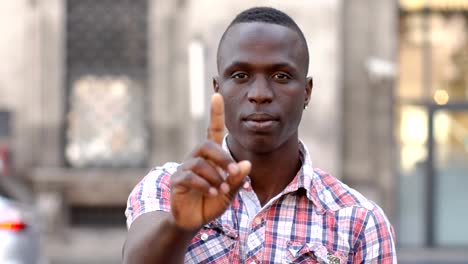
(151, 194)
(375, 243)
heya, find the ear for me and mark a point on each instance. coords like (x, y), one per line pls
(215, 84)
(308, 90)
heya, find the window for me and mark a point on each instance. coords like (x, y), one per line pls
(432, 123)
(106, 62)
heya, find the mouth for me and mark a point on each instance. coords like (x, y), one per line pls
(260, 122)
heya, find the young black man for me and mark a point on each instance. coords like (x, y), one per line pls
(253, 195)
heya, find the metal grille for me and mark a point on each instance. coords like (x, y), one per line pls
(102, 216)
(106, 77)
(4, 124)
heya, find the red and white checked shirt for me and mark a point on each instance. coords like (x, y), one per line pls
(315, 219)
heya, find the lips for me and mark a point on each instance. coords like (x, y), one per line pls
(260, 122)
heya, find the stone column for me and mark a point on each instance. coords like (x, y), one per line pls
(169, 109)
(52, 23)
(370, 45)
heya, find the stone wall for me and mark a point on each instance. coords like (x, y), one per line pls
(17, 77)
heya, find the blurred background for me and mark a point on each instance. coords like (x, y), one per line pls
(95, 93)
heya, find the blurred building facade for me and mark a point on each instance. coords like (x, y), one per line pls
(431, 114)
(101, 91)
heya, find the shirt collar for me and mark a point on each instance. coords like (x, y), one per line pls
(306, 178)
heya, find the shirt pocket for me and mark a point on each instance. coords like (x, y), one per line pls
(303, 253)
(213, 243)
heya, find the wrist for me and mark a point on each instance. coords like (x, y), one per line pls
(172, 224)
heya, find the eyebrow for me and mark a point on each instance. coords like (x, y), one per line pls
(242, 64)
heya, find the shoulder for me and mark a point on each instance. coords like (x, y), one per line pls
(328, 192)
(167, 169)
(163, 172)
(335, 195)
(159, 175)
(152, 193)
(339, 198)
(346, 203)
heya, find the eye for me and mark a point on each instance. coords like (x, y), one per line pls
(281, 76)
(239, 75)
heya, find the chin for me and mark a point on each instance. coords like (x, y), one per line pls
(261, 144)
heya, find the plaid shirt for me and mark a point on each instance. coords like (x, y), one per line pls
(315, 219)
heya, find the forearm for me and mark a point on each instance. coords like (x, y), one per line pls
(156, 239)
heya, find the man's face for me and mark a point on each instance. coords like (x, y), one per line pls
(263, 81)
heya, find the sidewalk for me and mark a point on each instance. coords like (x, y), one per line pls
(432, 256)
(87, 246)
(104, 246)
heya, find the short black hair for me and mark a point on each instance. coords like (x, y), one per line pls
(267, 15)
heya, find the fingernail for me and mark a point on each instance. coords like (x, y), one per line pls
(213, 191)
(224, 187)
(233, 168)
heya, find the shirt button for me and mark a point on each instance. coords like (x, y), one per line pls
(204, 236)
(246, 185)
(258, 220)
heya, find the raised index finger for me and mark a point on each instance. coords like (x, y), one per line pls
(216, 126)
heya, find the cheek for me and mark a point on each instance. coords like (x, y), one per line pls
(230, 113)
(295, 107)
(231, 104)
(295, 116)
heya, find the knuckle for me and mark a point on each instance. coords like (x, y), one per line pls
(178, 177)
(196, 151)
(182, 167)
(190, 176)
(196, 182)
(191, 179)
(202, 148)
(198, 163)
(208, 144)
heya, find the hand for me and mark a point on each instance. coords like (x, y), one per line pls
(200, 191)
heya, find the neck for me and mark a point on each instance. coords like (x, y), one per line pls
(273, 171)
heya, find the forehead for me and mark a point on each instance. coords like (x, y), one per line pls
(261, 43)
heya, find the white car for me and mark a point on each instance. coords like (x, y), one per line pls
(19, 230)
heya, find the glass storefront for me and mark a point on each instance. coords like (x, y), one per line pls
(451, 177)
(432, 120)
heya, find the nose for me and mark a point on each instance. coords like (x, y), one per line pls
(260, 91)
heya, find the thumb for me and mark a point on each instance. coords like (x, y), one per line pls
(235, 181)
